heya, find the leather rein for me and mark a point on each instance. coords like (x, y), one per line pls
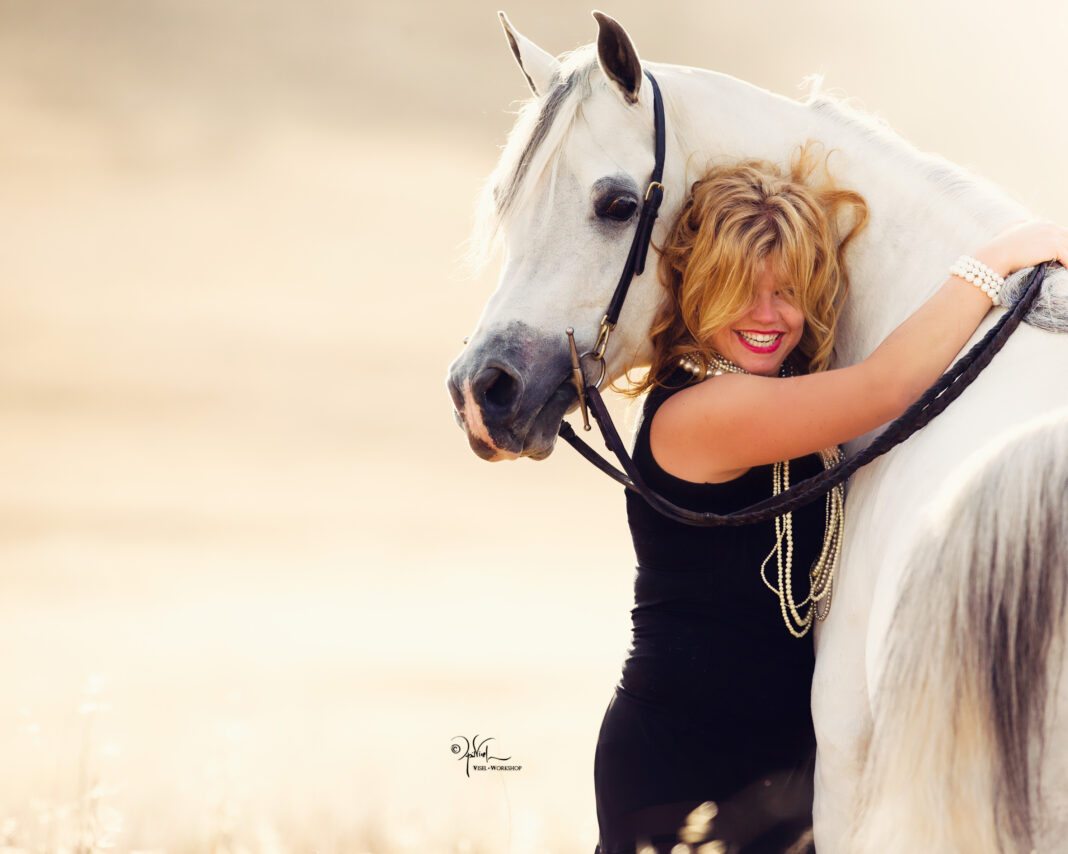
(947, 389)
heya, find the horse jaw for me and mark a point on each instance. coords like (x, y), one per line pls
(538, 66)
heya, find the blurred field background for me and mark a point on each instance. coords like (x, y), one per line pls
(253, 581)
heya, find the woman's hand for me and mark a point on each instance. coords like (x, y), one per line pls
(1025, 244)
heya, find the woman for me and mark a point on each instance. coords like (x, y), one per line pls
(713, 702)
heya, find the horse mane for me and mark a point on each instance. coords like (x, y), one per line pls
(542, 124)
(947, 180)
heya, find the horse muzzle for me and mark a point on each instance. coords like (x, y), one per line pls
(510, 390)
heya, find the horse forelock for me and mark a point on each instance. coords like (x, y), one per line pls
(542, 124)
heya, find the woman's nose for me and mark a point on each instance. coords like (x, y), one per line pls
(764, 309)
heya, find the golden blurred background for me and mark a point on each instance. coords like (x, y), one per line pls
(253, 581)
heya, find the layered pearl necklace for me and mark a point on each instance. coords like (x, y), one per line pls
(821, 574)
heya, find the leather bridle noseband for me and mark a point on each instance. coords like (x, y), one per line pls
(947, 389)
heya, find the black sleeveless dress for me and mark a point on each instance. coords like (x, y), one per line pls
(713, 702)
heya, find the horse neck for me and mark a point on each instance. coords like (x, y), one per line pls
(924, 210)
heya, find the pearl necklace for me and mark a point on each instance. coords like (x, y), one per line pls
(714, 365)
(821, 574)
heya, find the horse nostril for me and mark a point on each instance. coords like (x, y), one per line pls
(502, 391)
(496, 391)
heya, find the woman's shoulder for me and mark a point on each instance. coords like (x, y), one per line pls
(682, 380)
(675, 382)
(679, 380)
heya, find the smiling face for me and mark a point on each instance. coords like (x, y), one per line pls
(767, 332)
(753, 268)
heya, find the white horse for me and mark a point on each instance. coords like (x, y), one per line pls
(930, 691)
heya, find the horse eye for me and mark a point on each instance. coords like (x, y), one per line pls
(620, 209)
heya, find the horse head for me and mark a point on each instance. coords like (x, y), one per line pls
(564, 197)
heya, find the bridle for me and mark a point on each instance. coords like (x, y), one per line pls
(635, 265)
(947, 389)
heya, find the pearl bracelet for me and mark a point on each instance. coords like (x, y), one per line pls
(979, 275)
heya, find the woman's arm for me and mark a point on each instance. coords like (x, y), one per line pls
(716, 430)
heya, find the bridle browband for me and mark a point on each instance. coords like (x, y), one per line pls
(947, 389)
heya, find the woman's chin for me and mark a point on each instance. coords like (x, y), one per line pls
(763, 365)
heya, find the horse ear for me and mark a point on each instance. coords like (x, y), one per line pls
(538, 66)
(618, 58)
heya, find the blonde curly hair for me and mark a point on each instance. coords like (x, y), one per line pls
(736, 216)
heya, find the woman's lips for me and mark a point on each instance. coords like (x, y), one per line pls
(759, 342)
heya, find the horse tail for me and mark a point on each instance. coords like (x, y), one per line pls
(976, 639)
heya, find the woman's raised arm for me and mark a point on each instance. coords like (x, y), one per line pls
(715, 431)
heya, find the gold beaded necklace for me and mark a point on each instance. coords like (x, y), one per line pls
(821, 574)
